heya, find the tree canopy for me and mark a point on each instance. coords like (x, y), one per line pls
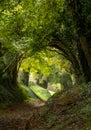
(31, 28)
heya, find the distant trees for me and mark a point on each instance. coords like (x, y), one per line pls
(23, 77)
(66, 81)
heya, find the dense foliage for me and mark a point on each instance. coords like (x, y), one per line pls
(28, 28)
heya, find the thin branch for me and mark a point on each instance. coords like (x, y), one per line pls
(10, 63)
(56, 51)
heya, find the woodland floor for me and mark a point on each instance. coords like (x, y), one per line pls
(18, 116)
(66, 112)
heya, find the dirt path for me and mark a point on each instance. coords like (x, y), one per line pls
(66, 112)
(20, 116)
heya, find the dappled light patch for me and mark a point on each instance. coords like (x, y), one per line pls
(42, 93)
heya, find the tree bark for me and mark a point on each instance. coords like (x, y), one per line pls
(77, 8)
(85, 49)
(8, 80)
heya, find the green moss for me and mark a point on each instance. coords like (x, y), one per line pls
(75, 114)
(58, 127)
(86, 115)
(5, 95)
(12, 95)
(3, 105)
(50, 120)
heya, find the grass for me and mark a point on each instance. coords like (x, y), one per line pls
(35, 93)
(42, 93)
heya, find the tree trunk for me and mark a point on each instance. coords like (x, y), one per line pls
(77, 8)
(84, 64)
(9, 89)
(85, 48)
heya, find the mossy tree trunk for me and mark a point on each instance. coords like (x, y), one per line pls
(80, 11)
(84, 64)
(8, 70)
(8, 79)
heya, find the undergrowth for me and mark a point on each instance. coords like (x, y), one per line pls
(69, 110)
(11, 96)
